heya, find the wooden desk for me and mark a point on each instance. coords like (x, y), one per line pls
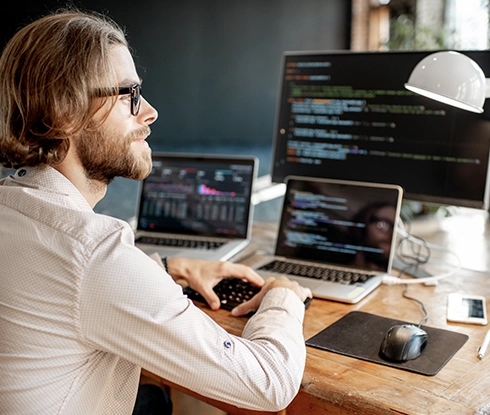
(337, 384)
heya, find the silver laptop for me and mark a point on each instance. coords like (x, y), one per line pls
(335, 237)
(196, 206)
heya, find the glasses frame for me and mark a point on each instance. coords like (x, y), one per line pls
(135, 93)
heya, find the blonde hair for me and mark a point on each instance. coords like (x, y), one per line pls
(50, 72)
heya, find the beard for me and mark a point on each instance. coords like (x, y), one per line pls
(105, 155)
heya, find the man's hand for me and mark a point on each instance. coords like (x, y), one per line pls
(202, 276)
(254, 302)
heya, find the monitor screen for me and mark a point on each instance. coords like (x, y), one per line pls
(347, 115)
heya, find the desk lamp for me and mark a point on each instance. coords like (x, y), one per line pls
(452, 78)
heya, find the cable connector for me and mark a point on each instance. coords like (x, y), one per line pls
(390, 280)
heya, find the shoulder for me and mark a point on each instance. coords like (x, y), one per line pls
(90, 228)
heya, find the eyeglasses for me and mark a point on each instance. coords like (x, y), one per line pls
(135, 92)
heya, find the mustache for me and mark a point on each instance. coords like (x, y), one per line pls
(139, 133)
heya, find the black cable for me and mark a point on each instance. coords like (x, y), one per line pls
(416, 256)
(418, 252)
(420, 303)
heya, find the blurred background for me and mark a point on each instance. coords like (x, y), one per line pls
(211, 67)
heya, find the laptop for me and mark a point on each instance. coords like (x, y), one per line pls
(196, 206)
(335, 236)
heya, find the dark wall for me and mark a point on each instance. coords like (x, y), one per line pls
(211, 67)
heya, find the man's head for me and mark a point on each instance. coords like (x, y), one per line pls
(60, 78)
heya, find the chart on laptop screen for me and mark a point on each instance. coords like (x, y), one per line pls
(197, 195)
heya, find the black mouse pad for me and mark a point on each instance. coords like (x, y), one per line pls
(360, 334)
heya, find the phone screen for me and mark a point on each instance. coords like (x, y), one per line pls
(463, 308)
(473, 306)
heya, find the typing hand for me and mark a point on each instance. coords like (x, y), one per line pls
(202, 276)
(303, 293)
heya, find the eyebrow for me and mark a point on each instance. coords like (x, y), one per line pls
(128, 82)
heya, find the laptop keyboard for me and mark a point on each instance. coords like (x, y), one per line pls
(311, 271)
(179, 243)
(231, 292)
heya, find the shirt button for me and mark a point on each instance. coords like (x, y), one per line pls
(227, 344)
(21, 173)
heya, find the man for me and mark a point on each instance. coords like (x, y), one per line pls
(81, 309)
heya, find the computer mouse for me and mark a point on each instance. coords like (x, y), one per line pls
(403, 342)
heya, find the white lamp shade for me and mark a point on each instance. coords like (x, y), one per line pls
(452, 78)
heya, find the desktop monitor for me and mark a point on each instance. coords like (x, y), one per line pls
(347, 115)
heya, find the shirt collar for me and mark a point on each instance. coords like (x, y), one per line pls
(49, 179)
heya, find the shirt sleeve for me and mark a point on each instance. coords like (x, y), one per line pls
(129, 306)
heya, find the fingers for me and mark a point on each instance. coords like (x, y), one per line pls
(302, 292)
(254, 303)
(246, 307)
(270, 283)
(202, 276)
(243, 272)
(299, 290)
(217, 271)
(210, 296)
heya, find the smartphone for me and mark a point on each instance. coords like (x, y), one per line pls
(466, 308)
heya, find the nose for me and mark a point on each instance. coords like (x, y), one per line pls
(147, 113)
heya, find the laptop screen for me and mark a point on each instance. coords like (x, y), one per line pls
(205, 195)
(339, 222)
